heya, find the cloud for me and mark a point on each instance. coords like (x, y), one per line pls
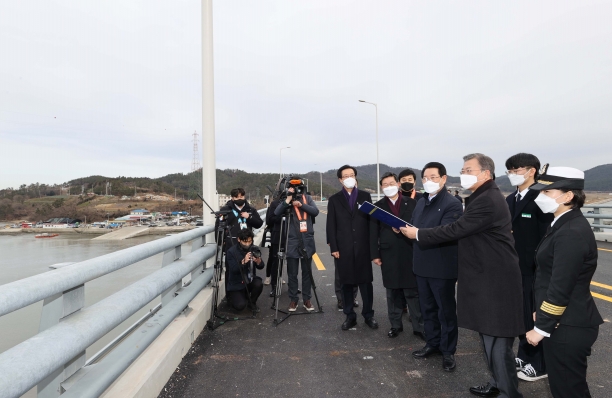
(115, 89)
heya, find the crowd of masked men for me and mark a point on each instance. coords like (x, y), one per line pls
(505, 267)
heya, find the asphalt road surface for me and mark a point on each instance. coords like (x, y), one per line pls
(310, 356)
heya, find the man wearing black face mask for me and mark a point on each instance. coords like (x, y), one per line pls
(238, 261)
(242, 216)
(407, 179)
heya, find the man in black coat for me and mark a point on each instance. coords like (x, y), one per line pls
(435, 267)
(392, 252)
(529, 225)
(348, 234)
(241, 216)
(489, 293)
(243, 287)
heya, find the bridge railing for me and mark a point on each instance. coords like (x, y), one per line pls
(597, 216)
(54, 360)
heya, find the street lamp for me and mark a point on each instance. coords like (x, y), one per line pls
(280, 160)
(321, 174)
(377, 163)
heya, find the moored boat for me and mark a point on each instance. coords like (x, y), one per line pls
(45, 235)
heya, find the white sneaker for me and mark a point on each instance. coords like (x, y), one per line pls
(530, 374)
(267, 280)
(520, 364)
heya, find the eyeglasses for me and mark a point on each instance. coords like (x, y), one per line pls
(431, 178)
(392, 184)
(469, 171)
(516, 171)
(349, 176)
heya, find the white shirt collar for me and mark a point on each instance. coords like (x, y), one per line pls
(393, 201)
(523, 193)
(432, 196)
(559, 216)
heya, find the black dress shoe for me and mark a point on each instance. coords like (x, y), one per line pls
(419, 335)
(393, 332)
(355, 303)
(448, 363)
(340, 305)
(485, 391)
(273, 292)
(372, 323)
(425, 352)
(349, 323)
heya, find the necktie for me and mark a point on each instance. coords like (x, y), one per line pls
(518, 196)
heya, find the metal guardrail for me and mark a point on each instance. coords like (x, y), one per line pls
(596, 216)
(54, 359)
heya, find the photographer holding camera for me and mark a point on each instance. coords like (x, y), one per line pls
(300, 242)
(241, 216)
(241, 279)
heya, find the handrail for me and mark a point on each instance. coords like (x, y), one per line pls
(21, 293)
(25, 365)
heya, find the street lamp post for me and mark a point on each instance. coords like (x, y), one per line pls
(377, 162)
(321, 175)
(280, 160)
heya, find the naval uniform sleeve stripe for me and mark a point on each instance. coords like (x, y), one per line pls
(552, 309)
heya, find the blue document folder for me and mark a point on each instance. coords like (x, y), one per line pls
(383, 216)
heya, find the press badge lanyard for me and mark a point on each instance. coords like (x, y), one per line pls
(241, 221)
(303, 224)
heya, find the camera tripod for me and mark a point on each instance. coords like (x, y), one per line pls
(217, 319)
(286, 223)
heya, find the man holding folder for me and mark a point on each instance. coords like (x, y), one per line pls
(392, 252)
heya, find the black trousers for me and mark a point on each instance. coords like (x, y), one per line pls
(338, 285)
(238, 298)
(272, 265)
(439, 309)
(397, 300)
(566, 352)
(527, 352)
(500, 360)
(367, 296)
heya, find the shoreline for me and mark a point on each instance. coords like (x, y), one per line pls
(91, 231)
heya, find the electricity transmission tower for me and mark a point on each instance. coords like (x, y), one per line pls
(195, 179)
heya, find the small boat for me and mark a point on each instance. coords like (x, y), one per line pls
(45, 235)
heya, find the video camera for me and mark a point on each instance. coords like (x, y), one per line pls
(295, 182)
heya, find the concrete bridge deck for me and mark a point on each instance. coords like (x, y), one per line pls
(310, 356)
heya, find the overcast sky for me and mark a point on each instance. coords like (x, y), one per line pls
(114, 87)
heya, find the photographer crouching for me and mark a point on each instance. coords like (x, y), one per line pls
(242, 284)
(300, 242)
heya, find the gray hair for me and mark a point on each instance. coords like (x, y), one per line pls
(485, 162)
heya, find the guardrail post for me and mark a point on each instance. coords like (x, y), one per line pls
(55, 308)
(596, 220)
(195, 245)
(171, 256)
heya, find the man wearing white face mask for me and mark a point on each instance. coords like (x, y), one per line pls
(489, 291)
(529, 225)
(348, 235)
(435, 267)
(392, 252)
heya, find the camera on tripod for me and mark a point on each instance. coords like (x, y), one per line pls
(295, 182)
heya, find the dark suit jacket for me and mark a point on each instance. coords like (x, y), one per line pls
(438, 260)
(566, 261)
(348, 232)
(395, 250)
(489, 290)
(529, 225)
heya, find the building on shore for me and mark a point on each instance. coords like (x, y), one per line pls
(61, 222)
